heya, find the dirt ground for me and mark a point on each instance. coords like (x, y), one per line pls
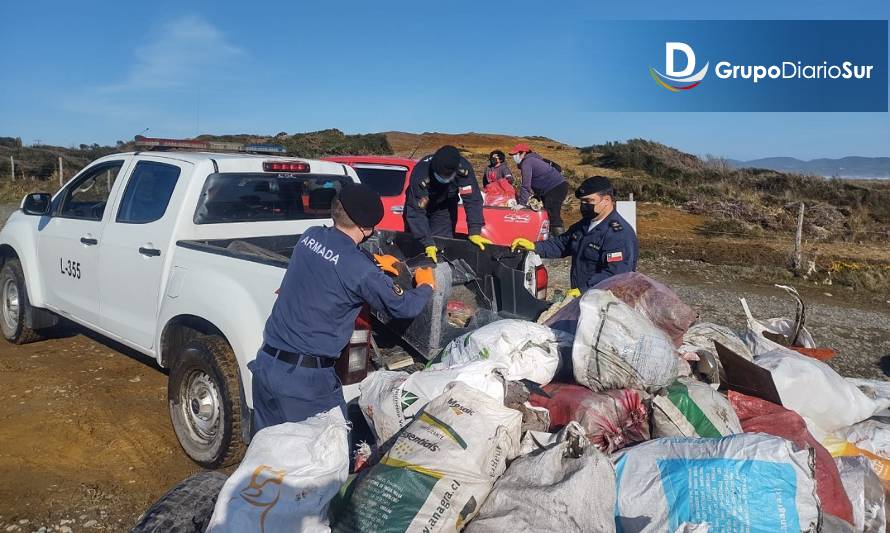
(85, 438)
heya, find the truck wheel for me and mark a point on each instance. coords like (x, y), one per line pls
(204, 394)
(15, 305)
(186, 508)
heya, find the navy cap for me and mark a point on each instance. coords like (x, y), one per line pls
(362, 204)
(595, 184)
(446, 161)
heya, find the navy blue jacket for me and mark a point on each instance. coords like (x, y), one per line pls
(328, 280)
(610, 248)
(427, 199)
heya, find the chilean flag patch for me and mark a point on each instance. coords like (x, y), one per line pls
(465, 190)
(614, 257)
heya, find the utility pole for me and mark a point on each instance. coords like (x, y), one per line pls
(61, 173)
(796, 259)
(12, 166)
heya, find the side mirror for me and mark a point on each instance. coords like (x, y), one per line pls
(38, 203)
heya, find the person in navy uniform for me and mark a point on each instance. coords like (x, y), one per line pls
(601, 244)
(431, 202)
(328, 280)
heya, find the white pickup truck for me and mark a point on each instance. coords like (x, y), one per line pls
(179, 255)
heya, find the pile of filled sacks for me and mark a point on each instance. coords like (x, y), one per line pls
(620, 413)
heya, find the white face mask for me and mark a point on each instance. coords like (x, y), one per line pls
(517, 158)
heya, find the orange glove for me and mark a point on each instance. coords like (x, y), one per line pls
(387, 263)
(425, 276)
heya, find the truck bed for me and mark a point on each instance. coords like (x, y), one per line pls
(487, 285)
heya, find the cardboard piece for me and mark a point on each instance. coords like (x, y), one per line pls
(746, 377)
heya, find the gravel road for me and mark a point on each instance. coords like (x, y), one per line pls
(860, 332)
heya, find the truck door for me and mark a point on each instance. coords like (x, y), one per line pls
(68, 245)
(133, 257)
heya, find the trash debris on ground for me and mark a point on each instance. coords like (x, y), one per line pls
(760, 416)
(617, 347)
(568, 487)
(690, 408)
(528, 350)
(288, 476)
(865, 493)
(612, 419)
(390, 400)
(744, 482)
(440, 468)
(653, 300)
(814, 390)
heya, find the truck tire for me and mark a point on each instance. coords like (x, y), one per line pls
(15, 305)
(186, 508)
(204, 395)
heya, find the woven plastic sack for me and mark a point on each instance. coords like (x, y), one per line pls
(287, 477)
(701, 336)
(611, 419)
(540, 491)
(690, 408)
(654, 300)
(616, 347)
(390, 400)
(439, 470)
(761, 416)
(745, 482)
(865, 492)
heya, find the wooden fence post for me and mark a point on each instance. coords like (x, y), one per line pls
(796, 259)
(61, 173)
(12, 165)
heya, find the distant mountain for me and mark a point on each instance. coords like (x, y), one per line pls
(845, 167)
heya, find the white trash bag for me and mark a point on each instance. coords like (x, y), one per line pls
(826, 401)
(287, 478)
(616, 347)
(439, 470)
(389, 400)
(746, 482)
(529, 350)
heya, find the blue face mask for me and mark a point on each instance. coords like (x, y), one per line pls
(442, 180)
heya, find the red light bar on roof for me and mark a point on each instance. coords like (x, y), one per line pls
(285, 166)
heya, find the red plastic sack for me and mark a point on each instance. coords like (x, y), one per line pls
(499, 193)
(761, 416)
(655, 301)
(613, 419)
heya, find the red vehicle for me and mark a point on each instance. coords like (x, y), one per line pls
(389, 177)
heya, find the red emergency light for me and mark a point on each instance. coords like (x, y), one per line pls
(285, 166)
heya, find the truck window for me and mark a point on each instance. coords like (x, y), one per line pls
(248, 197)
(386, 180)
(86, 197)
(148, 192)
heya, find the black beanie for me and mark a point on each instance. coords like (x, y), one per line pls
(595, 184)
(362, 204)
(446, 161)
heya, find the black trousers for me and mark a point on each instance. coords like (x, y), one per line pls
(552, 201)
